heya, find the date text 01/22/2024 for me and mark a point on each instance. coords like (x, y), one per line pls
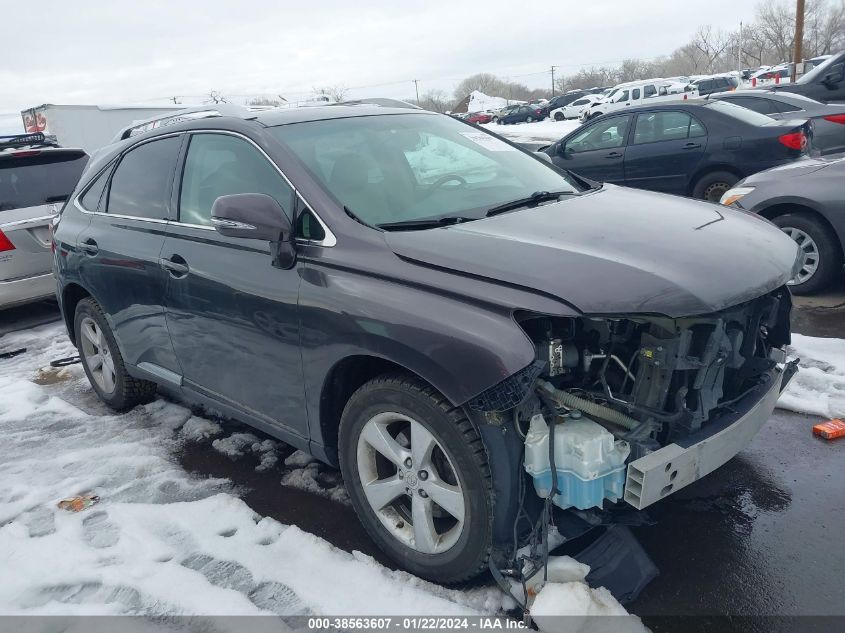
(414, 623)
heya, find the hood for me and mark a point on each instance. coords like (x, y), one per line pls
(616, 251)
(794, 169)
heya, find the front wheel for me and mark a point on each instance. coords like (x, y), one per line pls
(418, 478)
(821, 254)
(559, 116)
(496, 120)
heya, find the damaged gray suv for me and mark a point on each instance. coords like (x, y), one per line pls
(483, 343)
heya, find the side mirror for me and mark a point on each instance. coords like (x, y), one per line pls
(256, 216)
(252, 215)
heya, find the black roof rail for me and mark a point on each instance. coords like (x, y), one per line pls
(34, 139)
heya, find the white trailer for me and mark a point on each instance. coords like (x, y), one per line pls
(89, 127)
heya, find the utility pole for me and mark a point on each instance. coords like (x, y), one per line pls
(417, 88)
(739, 53)
(798, 53)
(553, 81)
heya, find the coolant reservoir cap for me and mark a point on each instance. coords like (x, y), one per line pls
(575, 414)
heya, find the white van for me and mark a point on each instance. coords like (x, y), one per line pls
(638, 93)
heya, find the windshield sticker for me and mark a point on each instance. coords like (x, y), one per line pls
(490, 143)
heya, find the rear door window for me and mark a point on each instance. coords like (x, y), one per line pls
(140, 186)
(45, 178)
(665, 126)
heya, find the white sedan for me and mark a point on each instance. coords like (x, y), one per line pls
(574, 109)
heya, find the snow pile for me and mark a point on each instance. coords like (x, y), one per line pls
(546, 130)
(480, 102)
(238, 444)
(819, 386)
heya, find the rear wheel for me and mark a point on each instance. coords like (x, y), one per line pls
(102, 361)
(712, 186)
(418, 478)
(821, 255)
(529, 119)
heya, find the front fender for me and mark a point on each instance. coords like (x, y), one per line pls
(460, 347)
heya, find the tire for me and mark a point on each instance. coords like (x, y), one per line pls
(559, 116)
(407, 410)
(93, 334)
(712, 186)
(529, 119)
(820, 248)
(496, 120)
(593, 115)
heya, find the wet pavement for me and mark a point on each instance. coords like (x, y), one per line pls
(760, 537)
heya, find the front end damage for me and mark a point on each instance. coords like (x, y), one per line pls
(612, 400)
(624, 407)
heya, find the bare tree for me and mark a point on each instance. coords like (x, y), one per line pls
(264, 101)
(335, 93)
(712, 45)
(435, 100)
(214, 96)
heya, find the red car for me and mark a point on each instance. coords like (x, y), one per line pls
(479, 117)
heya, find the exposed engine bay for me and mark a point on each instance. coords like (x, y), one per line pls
(613, 389)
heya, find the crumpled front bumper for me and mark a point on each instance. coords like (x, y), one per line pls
(674, 466)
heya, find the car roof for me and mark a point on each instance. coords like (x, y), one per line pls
(788, 97)
(272, 118)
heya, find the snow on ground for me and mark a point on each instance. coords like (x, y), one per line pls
(162, 542)
(819, 386)
(545, 131)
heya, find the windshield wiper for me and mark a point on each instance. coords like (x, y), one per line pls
(534, 199)
(431, 223)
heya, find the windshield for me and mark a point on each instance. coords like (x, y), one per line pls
(819, 70)
(399, 168)
(29, 181)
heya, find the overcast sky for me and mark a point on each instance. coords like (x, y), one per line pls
(108, 52)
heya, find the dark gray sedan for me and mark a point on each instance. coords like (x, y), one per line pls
(828, 119)
(806, 199)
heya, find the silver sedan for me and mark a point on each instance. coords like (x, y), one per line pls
(828, 119)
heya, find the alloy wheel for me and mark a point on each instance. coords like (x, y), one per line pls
(97, 355)
(410, 483)
(809, 254)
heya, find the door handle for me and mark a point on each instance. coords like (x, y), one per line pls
(89, 246)
(614, 155)
(692, 146)
(176, 266)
